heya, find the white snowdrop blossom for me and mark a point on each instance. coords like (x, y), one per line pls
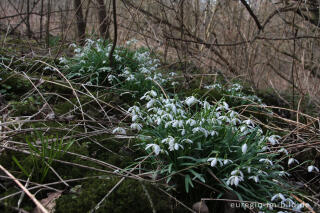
(292, 160)
(187, 141)
(266, 161)
(283, 150)
(73, 45)
(234, 180)
(191, 122)
(244, 148)
(136, 126)
(155, 147)
(249, 123)
(119, 130)
(274, 139)
(312, 167)
(153, 93)
(191, 100)
(279, 195)
(255, 178)
(227, 161)
(111, 77)
(150, 103)
(213, 161)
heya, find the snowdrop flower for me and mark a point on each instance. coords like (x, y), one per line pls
(233, 114)
(191, 100)
(78, 50)
(134, 109)
(119, 130)
(62, 60)
(237, 172)
(213, 161)
(206, 105)
(273, 139)
(136, 126)
(130, 42)
(213, 133)
(130, 78)
(292, 160)
(224, 118)
(155, 147)
(283, 173)
(171, 107)
(150, 103)
(200, 129)
(262, 172)
(187, 141)
(168, 140)
(226, 161)
(312, 167)
(283, 150)
(255, 178)
(279, 195)
(266, 161)
(234, 121)
(178, 123)
(249, 169)
(225, 105)
(153, 93)
(144, 70)
(234, 180)
(134, 118)
(244, 148)
(175, 147)
(249, 123)
(172, 74)
(243, 128)
(73, 45)
(111, 77)
(298, 207)
(167, 117)
(174, 83)
(191, 122)
(183, 132)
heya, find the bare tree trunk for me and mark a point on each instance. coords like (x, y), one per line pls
(81, 25)
(115, 25)
(28, 20)
(103, 20)
(48, 24)
(41, 18)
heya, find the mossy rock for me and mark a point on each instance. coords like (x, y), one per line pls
(26, 107)
(13, 85)
(129, 196)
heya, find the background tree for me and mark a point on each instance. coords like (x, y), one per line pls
(81, 24)
(103, 20)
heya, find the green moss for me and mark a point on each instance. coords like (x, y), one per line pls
(13, 85)
(29, 106)
(128, 197)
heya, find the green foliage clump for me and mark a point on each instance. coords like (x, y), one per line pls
(133, 70)
(197, 139)
(234, 94)
(42, 157)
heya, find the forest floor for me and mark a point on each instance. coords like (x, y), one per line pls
(68, 133)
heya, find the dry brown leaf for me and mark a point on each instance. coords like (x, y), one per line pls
(49, 203)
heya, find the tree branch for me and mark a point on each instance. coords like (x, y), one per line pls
(255, 18)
